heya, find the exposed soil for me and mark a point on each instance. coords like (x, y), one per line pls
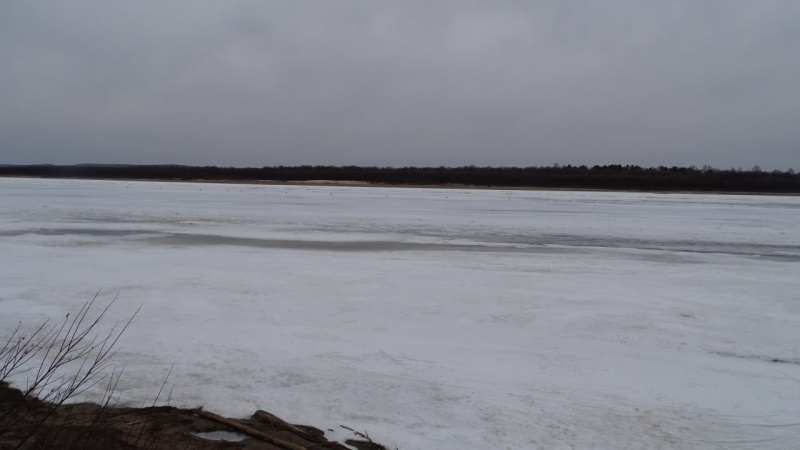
(31, 424)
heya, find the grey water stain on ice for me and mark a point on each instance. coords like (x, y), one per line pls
(93, 232)
(663, 250)
(341, 246)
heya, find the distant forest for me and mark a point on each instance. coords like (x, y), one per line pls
(614, 176)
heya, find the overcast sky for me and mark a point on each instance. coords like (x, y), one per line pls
(255, 83)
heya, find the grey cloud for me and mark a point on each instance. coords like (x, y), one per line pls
(252, 83)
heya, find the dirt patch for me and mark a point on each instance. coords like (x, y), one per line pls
(28, 423)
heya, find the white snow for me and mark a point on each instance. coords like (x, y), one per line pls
(229, 436)
(433, 318)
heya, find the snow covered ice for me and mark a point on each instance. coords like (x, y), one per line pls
(433, 318)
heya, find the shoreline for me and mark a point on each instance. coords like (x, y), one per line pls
(34, 423)
(357, 184)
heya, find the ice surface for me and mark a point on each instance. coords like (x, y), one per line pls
(433, 318)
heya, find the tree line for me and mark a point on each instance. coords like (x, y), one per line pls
(613, 176)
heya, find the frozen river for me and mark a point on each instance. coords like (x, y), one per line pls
(433, 318)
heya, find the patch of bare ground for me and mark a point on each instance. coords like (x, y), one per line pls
(28, 423)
